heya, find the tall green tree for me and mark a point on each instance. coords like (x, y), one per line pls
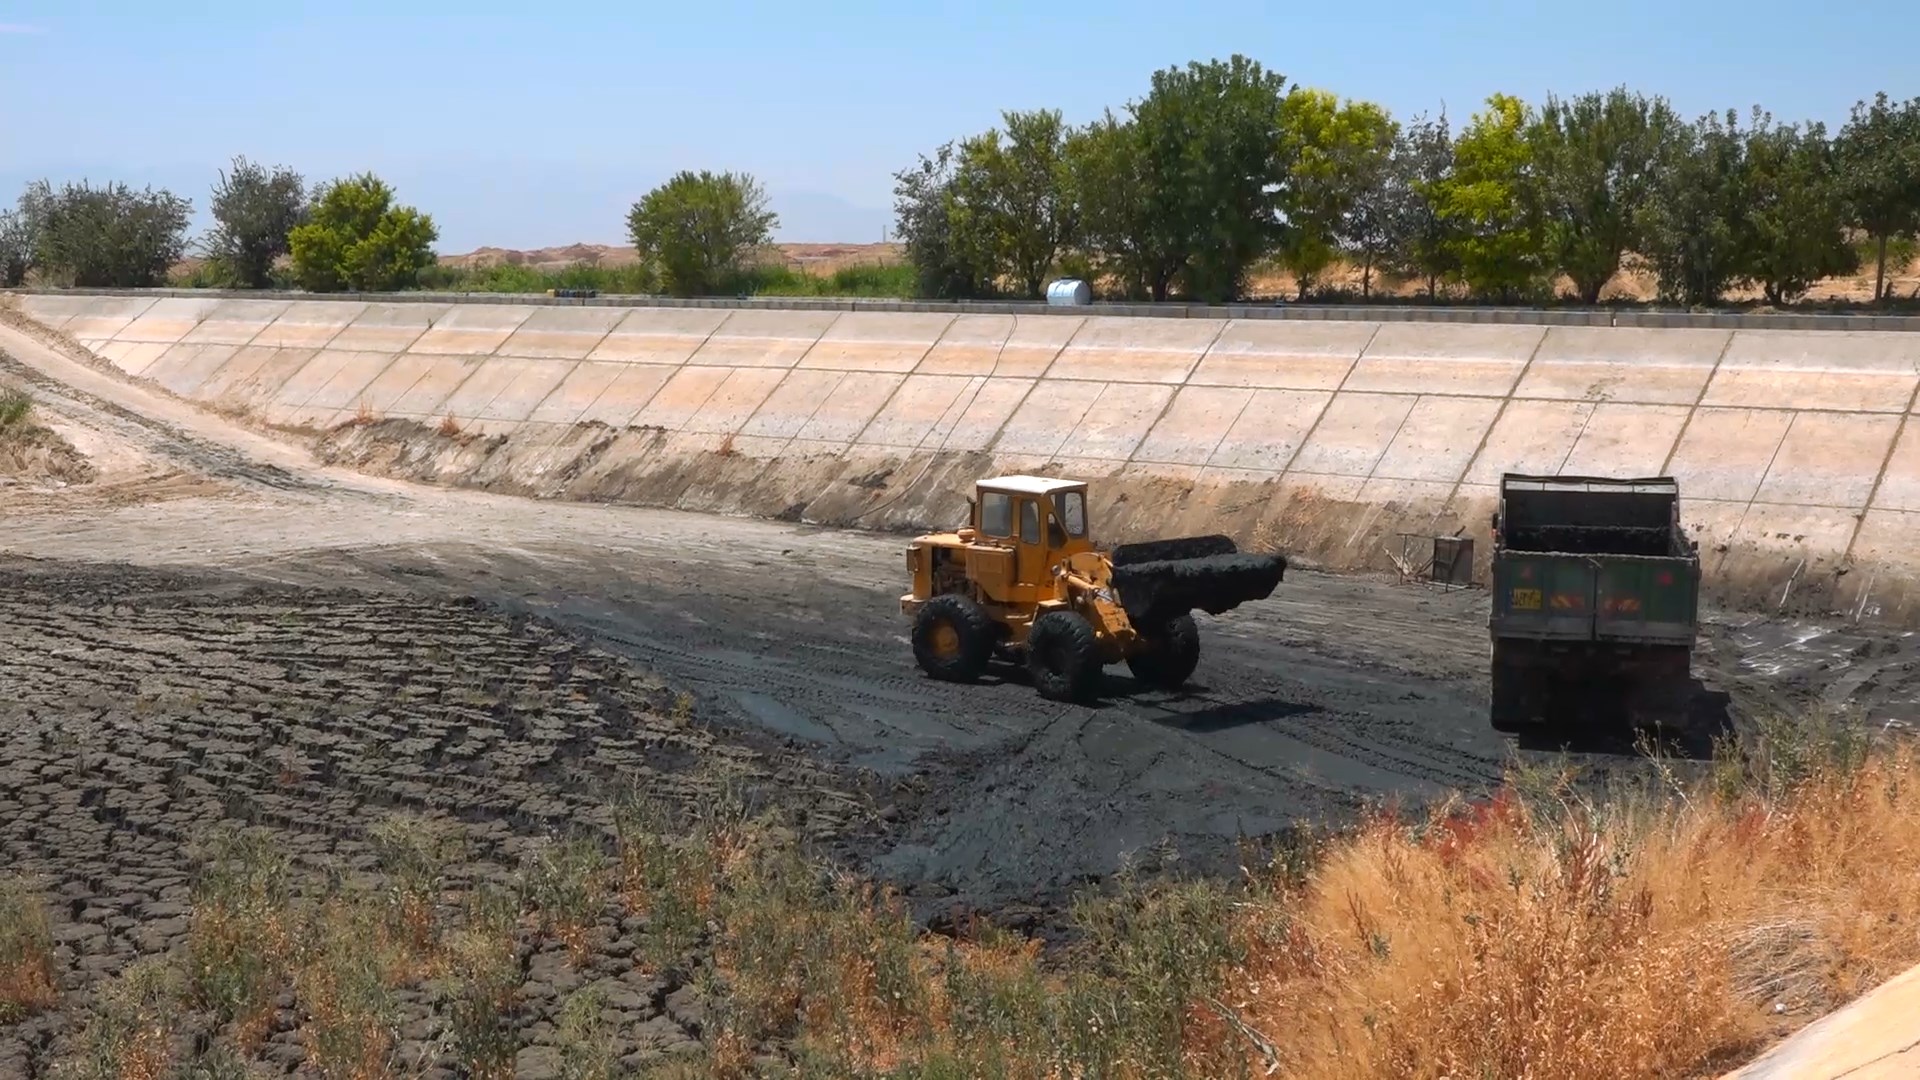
(1593, 160)
(355, 238)
(698, 228)
(1012, 196)
(1107, 184)
(20, 235)
(255, 210)
(947, 265)
(1384, 214)
(1493, 203)
(1878, 159)
(1332, 152)
(1698, 235)
(1209, 139)
(109, 236)
(1795, 228)
(1424, 163)
(16, 249)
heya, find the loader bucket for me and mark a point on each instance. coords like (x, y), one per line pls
(1164, 579)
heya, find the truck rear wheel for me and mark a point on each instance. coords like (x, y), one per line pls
(1516, 697)
(952, 638)
(1662, 694)
(1171, 655)
(1063, 656)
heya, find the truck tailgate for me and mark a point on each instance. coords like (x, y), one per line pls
(1643, 598)
(1631, 598)
(1543, 595)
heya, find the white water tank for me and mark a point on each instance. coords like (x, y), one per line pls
(1069, 292)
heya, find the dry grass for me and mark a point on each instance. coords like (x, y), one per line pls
(1531, 935)
(1541, 933)
(26, 952)
(130, 1032)
(1554, 937)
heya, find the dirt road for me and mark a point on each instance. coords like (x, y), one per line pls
(1334, 693)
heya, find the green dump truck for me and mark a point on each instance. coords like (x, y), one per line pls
(1596, 592)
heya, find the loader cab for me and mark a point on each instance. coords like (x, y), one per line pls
(1041, 519)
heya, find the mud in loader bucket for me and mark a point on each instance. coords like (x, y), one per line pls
(1162, 580)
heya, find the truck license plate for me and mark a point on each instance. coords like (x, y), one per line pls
(1526, 599)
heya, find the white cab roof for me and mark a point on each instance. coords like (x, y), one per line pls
(1031, 485)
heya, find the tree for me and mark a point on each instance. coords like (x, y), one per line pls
(1424, 157)
(254, 211)
(111, 236)
(1209, 145)
(1492, 203)
(1697, 236)
(16, 249)
(1013, 199)
(1332, 152)
(1106, 178)
(19, 236)
(698, 228)
(1878, 159)
(356, 239)
(1796, 216)
(1383, 214)
(20, 232)
(1594, 159)
(946, 265)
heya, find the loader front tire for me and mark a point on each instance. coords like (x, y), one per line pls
(953, 638)
(1171, 654)
(1062, 656)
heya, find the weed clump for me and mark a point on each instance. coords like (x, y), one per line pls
(26, 951)
(15, 407)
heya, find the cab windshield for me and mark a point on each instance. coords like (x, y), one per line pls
(1071, 509)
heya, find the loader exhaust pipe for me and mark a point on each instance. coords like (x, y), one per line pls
(1161, 580)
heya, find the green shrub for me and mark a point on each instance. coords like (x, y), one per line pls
(14, 407)
(357, 239)
(698, 228)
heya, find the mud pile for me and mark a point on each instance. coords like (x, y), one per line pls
(1161, 580)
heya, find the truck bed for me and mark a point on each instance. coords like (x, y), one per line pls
(1593, 559)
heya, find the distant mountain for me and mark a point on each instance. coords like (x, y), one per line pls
(816, 217)
(821, 257)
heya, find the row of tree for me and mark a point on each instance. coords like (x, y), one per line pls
(1222, 166)
(348, 234)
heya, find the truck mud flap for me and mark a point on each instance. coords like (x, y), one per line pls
(1158, 590)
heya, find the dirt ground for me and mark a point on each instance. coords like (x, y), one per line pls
(213, 627)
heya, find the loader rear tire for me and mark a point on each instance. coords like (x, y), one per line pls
(953, 638)
(1170, 657)
(1063, 656)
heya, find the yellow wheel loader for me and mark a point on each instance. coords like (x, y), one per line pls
(1023, 581)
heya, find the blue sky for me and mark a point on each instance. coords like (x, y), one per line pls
(526, 125)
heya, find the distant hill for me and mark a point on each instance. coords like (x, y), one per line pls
(821, 258)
